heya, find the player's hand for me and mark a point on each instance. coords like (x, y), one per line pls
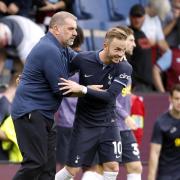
(96, 87)
(130, 123)
(68, 86)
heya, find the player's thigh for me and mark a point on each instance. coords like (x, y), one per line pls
(110, 147)
(130, 150)
(83, 146)
(165, 177)
(63, 141)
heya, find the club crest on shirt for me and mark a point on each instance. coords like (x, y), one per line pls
(173, 130)
(109, 79)
(77, 159)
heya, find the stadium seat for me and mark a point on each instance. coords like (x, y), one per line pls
(98, 38)
(88, 43)
(114, 15)
(79, 11)
(90, 24)
(144, 2)
(96, 8)
(119, 7)
(108, 25)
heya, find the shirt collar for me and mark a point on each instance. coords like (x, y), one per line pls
(100, 62)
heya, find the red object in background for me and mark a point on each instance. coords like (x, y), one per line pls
(138, 113)
(173, 73)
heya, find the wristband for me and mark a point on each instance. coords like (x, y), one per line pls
(84, 90)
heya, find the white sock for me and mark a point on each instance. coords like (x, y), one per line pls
(63, 174)
(89, 175)
(99, 176)
(110, 175)
(134, 176)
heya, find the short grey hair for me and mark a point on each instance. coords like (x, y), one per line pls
(59, 18)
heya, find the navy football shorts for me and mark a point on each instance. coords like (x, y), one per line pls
(87, 141)
(169, 176)
(63, 141)
(130, 150)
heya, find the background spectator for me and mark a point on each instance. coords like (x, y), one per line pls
(46, 9)
(165, 147)
(152, 25)
(171, 25)
(141, 58)
(7, 134)
(15, 7)
(19, 33)
(171, 67)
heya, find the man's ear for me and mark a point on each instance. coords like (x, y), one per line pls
(56, 30)
(105, 45)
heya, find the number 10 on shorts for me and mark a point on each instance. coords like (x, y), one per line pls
(117, 148)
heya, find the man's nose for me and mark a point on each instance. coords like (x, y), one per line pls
(75, 33)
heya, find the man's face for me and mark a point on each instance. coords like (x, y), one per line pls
(67, 32)
(175, 101)
(115, 50)
(153, 11)
(130, 42)
(136, 22)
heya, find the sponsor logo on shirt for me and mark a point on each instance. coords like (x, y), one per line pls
(177, 142)
(126, 90)
(88, 75)
(124, 76)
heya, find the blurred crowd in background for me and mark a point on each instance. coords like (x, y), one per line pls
(155, 60)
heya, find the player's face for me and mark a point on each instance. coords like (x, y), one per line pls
(175, 101)
(116, 50)
(68, 32)
(130, 44)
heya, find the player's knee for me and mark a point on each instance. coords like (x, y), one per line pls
(111, 166)
(73, 170)
(134, 167)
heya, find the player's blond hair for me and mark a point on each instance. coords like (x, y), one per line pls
(115, 33)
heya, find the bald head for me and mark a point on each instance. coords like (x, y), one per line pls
(60, 17)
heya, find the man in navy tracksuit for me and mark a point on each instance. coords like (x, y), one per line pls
(38, 98)
(95, 126)
(164, 160)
